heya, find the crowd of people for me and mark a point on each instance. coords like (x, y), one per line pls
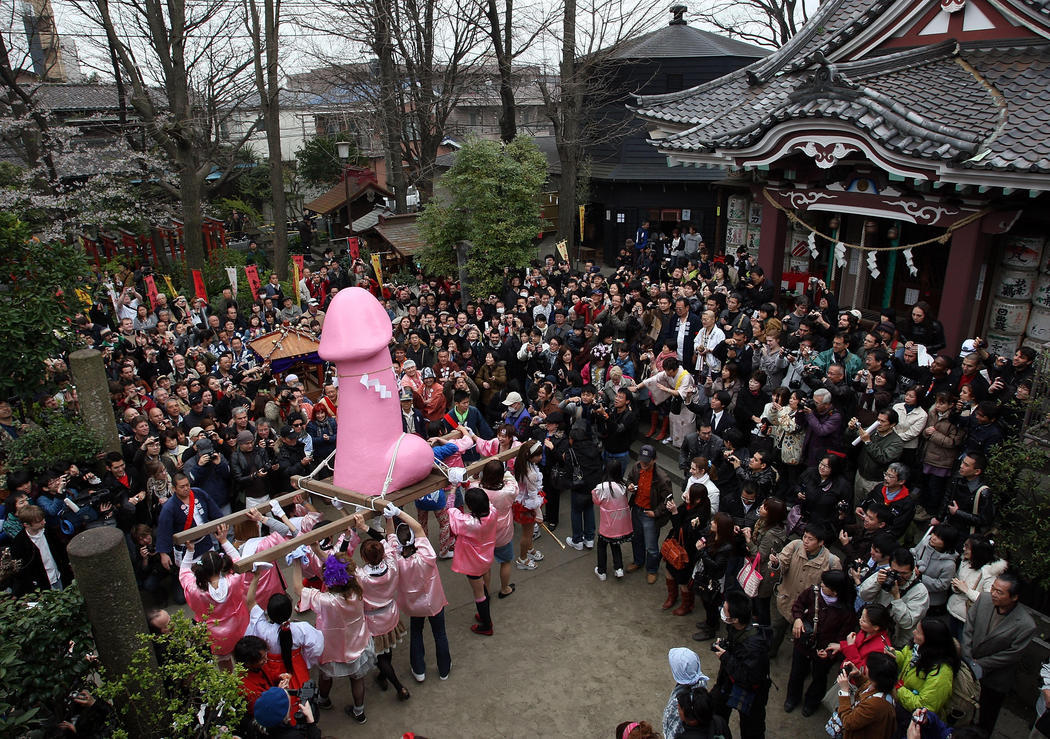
(833, 488)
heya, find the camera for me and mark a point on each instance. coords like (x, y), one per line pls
(810, 404)
(891, 579)
(306, 692)
(843, 507)
(718, 644)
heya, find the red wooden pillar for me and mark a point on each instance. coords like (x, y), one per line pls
(771, 244)
(969, 246)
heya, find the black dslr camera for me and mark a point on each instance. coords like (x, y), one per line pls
(892, 577)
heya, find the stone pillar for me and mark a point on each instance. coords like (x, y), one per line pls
(772, 243)
(89, 374)
(965, 257)
(102, 567)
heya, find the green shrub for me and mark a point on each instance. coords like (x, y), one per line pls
(198, 699)
(1016, 474)
(56, 439)
(51, 639)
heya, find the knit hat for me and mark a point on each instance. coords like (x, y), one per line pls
(685, 667)
(245, 437)
(271, 708)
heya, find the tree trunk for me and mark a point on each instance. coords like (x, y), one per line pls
(268, 84)
(569, 143)
(501, 45)
(191, 193)
(392, 114)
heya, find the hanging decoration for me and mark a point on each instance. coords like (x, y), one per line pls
(911, 265)
(873, 265)
(811, 242)
(840, 254)
(942, 239)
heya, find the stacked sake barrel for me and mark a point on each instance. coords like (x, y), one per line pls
(1020, 310)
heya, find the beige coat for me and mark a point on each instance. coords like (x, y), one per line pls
(798, 572)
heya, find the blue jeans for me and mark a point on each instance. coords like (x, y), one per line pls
(582, 515)
(624, 459)
(416, 652)
(645, 540)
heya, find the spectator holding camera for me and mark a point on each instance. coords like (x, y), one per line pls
(743, 670)
(900, 588)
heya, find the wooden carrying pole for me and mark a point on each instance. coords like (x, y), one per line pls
(434, 481)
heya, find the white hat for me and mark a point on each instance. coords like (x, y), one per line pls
(289, 379)
(968, 347)
(512, 398)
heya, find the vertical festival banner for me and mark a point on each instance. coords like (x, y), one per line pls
(252, 273)
(198, 285)
(231, 272)
(581, 222)
(377, 265)
(171, 287)
(297, 271)
(354, 247)
(151, 291)
(563, 250)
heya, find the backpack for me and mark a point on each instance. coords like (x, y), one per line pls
(966, 696)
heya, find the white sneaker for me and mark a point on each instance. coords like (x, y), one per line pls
(446, 555)
(668, 440)
(535, 555)
(618, 573)
(419, 678)
(536, 531)
(577, 545)
(589, 543)
(601, 575)
(527, 564)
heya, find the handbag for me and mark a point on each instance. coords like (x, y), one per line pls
(675, 403)
(808, 640)
(750, 576)
(794, 521)
(674, 553)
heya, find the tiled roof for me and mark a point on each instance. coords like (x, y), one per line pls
(74, 97)
(401, 232)
(336, 197)
(684, 41)
(975, 107)
(370, 219)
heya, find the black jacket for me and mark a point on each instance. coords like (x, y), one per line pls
(746, 660)
(243, 467)
(618, 430)
(32, 575)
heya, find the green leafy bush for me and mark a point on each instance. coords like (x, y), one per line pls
(198, 699)
(51, 639)
(56, 439)
(1017, 474)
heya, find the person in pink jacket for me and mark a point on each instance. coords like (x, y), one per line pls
(379, 584)
(419, 593)
(349, 650)
(501, 488)
(614, 518)
(475, 530)
(216, 595)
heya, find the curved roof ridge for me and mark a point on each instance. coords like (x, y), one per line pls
(779, 58)
(901, 60)
(670, 97)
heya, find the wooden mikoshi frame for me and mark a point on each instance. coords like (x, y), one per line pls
(434, 481)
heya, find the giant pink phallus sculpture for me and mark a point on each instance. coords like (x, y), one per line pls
(373, 456)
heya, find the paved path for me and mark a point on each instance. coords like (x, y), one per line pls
(570, 657)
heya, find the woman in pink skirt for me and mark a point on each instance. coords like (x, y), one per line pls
(475, 530)
(216, 595)
(614, 518)
(348, 647)
(379, 586)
